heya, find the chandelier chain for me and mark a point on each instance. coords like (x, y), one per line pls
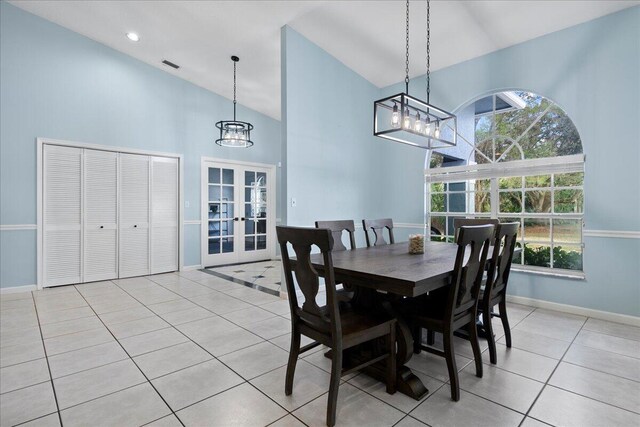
(428, 51)
(234, 90)
(406, 78)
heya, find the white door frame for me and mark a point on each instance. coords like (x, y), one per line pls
(42, 141)
(271, 203)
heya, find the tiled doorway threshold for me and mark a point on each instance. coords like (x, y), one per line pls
(263, 276)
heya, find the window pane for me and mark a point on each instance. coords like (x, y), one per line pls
(227, 176)
(261, 226)
(214, 210)
(437, 187)
(261, 179)
(512, 182)
(510, 201)
(214, 193)
(568, 179)
(227, 228)
(227, 193)
(227, 245)
(214, 176)
(482, 202)
(214, 246)
(214, 228)
(457, 202)
(568, 257)
(537, 201)
(249, 177)
(483, 185)
(261, 242)
(249, 226)
(249, 243)
(537, 181)
(568, 201)
(438, 203)
(248, 210)
(539, 255)
(227, 210)
(437, 227)
(537, 229)
(567, 231)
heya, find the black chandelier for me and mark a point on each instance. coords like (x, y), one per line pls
(234, 133)
(409, 120)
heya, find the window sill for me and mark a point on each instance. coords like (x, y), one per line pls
(564, 274)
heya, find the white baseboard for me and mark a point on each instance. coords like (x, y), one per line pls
(16, 289)
(191, 267)
(573, 309)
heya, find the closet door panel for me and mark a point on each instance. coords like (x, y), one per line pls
(100, 215)
(134, 215)
(164, 214)
(62, 215)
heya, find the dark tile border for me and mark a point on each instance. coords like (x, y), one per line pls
(243, 282)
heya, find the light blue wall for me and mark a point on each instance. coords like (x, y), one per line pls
(593, 72)
(58, 84)
(336, 168)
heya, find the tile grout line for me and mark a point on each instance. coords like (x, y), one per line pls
(134, 362)
(53, 386)
(546, 383)
(216, 358)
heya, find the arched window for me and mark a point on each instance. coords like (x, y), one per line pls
(519, 159)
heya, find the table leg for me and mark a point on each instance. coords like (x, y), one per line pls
(407, 382)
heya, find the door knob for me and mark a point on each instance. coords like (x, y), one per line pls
(135, 226)
(102, 226)
(242, 219)
(235, 219)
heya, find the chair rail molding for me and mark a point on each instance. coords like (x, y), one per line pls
(12, 227)
(618, 234)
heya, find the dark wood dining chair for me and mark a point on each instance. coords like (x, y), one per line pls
(337, 228)
(456, 307)
(377, 226)
(466, 222)
(338, 326)
(495, 289)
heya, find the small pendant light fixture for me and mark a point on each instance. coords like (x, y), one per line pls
(403, 118)
(234, 133)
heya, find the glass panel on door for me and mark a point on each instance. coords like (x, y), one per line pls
(221, 210)
(255, 210)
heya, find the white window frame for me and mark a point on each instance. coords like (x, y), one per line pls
(493, 171)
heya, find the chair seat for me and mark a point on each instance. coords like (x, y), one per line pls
(427, 310)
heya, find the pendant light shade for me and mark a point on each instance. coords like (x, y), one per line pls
(410, 120)
(234, 133)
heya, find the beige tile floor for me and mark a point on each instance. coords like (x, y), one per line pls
(197, 350)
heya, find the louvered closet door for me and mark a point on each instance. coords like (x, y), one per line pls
(62, 215)
(100, 215)
(134, 215)
(164, 214)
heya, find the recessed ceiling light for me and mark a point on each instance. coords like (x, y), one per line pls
(133, 37)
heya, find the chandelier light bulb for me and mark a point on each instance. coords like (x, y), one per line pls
(407, 119)
(437, 131)
(395, 117)
(418, 124)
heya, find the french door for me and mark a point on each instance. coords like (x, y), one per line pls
(238, 218)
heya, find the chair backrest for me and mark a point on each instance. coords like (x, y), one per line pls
(324, 319)
(504, 245)
(473, 247)
(337, 227)
(466, 222)
(378, 226)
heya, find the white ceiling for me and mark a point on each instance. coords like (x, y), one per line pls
(367, 36)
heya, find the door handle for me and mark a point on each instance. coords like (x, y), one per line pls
(235, 219)
(135, 226)
(102, 226)
(242, 219)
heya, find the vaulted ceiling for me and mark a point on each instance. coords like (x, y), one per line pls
(367, 36)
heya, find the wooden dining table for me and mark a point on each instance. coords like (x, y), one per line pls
(382, 275)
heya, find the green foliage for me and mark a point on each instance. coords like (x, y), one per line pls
(541, 256)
